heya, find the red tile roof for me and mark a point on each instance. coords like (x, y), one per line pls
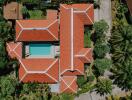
(72, 21)
(84, 11)
(14, 49)
(73, 55)
(38, 30)
(85, 55)
(68, 84)
(39, 70)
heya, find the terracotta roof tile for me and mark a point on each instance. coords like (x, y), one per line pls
(12, 10)
(39, 70)
(14, 49)
(73, 55)
(68, 84)
(72, 36)
(38, 30)
(85, 55)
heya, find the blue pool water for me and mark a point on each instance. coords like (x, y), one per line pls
(40, 49)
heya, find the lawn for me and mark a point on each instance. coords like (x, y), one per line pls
(36, 14)
(87, 40)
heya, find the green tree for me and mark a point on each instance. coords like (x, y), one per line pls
(40, 91)
(100, 50)
(30, 96)
(101, 65)
(7, 97)
(31, 1)
(100, 28)
(7, 85)
(104, 86)
(122, 9)
(3, 55)
(122, 74)
(25, 12)
(29, 87)
(5, 31)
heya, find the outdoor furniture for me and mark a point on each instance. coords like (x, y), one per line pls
(27, 52)
(57, 51)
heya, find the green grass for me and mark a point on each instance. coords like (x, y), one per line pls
(36, 14)
(87, 40)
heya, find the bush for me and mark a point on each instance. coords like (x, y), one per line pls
(81, 81)
(90, 78)
(65, 96)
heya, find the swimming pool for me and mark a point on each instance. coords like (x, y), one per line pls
(40, 49)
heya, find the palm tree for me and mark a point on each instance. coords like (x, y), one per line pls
(104, 86)
(121, 41)
(122, 55)
(122, 74)
(121, 37)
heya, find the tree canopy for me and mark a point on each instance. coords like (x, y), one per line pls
(123, 75)
(3, 55)
(100, 28)
(7, 85)
(102, 65)
(100, 50)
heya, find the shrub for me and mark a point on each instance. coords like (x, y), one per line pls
(81, 81)
(90, 78)
(65, 96)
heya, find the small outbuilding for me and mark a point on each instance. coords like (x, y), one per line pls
(12, 10)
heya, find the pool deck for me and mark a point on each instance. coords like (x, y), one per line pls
(51, 55)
